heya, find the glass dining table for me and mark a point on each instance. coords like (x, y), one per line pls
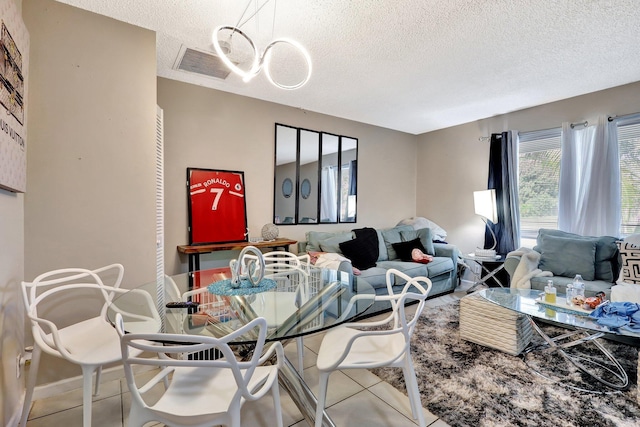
(299, 304)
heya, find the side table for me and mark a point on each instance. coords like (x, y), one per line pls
(489, 273)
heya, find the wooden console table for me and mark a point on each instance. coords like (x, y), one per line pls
(194, 251)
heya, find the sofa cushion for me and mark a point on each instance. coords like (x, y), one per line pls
(630, 254)
(362, 252)
(607, 264)
(404, 249)
(332, 244)
(439, 266)
(411, 269)
(426, 238)
(392, 235)
(564, 256)
(375, 276)
(314, 238)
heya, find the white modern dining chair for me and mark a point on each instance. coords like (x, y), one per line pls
(200, 392)
(291, 273)
(366, 345)
(88, 339)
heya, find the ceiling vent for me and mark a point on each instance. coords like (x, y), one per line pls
(198, 62)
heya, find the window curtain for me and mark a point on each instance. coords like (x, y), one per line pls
(503, 177)
(329, 196)
(589, 192)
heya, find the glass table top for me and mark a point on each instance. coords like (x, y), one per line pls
(299, 305)
(530, 302)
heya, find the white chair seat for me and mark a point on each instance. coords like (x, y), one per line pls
(370, 350)
(195, 392)
(93, 341)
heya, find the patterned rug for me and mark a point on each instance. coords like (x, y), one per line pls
(466, 384)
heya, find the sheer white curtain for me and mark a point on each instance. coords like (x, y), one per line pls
(512, 185)
(329, 195)
(589, 196)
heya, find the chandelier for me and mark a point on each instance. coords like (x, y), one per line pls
(226, 39)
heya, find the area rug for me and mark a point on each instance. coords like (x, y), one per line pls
(466, 384)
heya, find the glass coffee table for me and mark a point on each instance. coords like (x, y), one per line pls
(604, 368)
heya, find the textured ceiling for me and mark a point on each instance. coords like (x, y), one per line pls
(413, 66)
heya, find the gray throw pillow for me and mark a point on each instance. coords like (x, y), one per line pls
(567, 256)
(424, 234)
(392, 235)
(332, 244)
(315, 237)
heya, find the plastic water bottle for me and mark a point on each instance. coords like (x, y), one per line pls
(570, 294)
(578, 287)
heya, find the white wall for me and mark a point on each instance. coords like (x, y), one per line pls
(211, 129)
(91, 151)
(452, 163)
(11, 306)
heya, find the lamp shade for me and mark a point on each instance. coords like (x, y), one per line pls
(485, 204)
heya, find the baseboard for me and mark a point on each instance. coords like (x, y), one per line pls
(68, 384)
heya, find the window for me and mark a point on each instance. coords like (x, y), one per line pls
(629, 151)
(538, 182)
(539, 178)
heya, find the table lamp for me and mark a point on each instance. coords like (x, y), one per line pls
(485, 206)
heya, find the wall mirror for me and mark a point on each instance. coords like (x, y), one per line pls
(329, 178)
(285, 171)
(309, 154)
(322, 168)
(348, 178)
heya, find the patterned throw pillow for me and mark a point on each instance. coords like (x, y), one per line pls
(630, 254)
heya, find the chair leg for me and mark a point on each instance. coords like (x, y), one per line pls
(300, 348)
(275, 389)
(87, 379)
(323, 380)
(31, 383)
(413, 391)
(98, 377)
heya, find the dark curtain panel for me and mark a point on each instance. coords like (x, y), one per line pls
(499, 170)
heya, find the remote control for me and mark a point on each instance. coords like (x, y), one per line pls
(182, 304)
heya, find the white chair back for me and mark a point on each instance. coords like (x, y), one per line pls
(194, 376)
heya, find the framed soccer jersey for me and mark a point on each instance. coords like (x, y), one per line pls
(217, 207)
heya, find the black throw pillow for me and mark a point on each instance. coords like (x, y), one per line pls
(403, 249)
(361, 253)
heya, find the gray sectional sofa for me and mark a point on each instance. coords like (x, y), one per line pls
(442, 270)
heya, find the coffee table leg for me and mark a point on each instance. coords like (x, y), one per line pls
(300, 393)
(619, 373)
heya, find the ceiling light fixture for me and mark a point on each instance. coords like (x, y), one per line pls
(223, 45)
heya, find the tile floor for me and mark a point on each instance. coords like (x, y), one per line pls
(377, 402)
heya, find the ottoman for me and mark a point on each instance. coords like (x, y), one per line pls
(488, 324)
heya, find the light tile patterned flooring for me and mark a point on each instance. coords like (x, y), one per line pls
(355, 397)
